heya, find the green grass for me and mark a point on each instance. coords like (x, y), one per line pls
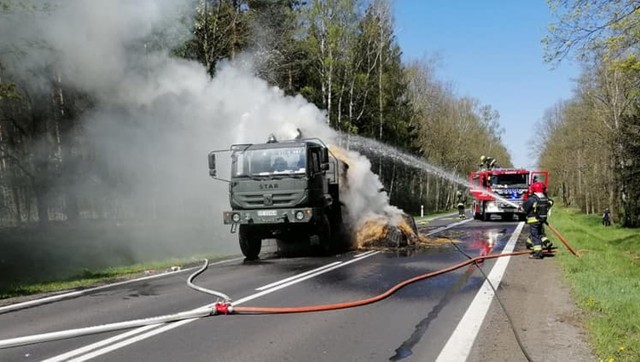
(89, 278)
(429, 215)
(66, 256)
(605, 281)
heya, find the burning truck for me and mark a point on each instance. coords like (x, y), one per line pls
(291, 191)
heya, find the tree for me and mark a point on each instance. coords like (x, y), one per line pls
(220, 30)
(605, 37)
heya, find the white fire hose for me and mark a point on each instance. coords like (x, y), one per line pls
(70, 333)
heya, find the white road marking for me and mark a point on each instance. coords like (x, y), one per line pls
(443, 228)
(257, 295)
(132, 340)
(59, 297)
(363, 254)
(102, 343)
(459, 344)
(297, 276)
(140, 337)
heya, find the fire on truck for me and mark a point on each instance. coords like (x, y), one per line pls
(509, 184)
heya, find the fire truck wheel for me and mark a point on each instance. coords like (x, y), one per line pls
(250, 243)
(485, 215)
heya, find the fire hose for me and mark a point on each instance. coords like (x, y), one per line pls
(226, 305)
(557, 233)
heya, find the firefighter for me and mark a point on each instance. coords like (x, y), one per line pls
(537, 209)
(538, 185)
(487, 162)
(461, 199)
(606, 217)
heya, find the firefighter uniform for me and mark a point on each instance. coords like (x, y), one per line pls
(537, 209)
(461, 199)
(487, 162)
(537, 186)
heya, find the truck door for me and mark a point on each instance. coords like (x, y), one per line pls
(542, 176)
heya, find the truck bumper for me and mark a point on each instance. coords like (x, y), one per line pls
(272, 216)
(498, 207)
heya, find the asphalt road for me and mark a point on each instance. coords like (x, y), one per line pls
(415, 324)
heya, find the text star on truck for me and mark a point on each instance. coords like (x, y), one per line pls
(286, 191)
(510, 184)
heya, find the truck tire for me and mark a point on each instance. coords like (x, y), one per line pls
(507, 216)
(485, 216)
(474, 209)
(327, 244)
(250, 243)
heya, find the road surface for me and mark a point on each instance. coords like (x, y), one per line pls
(421, 322)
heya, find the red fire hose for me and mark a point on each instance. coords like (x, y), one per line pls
(225, 308)
(557, 233)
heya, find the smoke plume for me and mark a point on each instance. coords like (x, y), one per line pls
(155, 117)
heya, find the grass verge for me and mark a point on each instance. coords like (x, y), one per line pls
(605, 281)
(90, 278)
(430, 215)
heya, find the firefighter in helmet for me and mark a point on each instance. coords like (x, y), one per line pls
(536, 184)
(461, 199)
(487, 162)
(537, 209)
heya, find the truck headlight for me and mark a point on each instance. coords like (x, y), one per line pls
(299, 215)
(235, 217)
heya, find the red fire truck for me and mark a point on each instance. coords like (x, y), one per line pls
(502, 191)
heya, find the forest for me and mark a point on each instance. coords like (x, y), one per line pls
(60, 163)
(591, 142)
(340, 55)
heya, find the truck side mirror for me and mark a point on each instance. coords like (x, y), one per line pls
(324, 159)
(212, 164)
(324, 155)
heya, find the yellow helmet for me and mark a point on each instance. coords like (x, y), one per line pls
(458, 193)
(482, 158)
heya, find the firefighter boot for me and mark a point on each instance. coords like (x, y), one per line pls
(546, 243)
(529, 244)
(537, 252)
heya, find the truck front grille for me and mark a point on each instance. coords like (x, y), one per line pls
(278, 200)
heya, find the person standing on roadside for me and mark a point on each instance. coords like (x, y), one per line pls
(537, 209)
(461, 199)
(606, 217)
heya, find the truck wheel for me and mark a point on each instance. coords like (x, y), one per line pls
(474, 209)
(327, 244)
(250, 243)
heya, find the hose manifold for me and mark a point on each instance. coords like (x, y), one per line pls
(222, 308)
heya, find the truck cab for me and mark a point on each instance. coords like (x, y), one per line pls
(283, 190)
(502, 191)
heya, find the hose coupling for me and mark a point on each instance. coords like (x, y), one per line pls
(222, 308)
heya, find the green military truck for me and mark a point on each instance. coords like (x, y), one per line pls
(287, 191)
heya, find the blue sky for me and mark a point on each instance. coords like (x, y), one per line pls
(490, 50)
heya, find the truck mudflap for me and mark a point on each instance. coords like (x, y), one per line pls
(271, 216)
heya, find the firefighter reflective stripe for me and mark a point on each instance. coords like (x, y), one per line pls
(532, 220)
(537, 248)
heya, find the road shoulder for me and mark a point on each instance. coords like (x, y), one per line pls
(539, 302)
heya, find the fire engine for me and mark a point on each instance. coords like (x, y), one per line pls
(502, 191)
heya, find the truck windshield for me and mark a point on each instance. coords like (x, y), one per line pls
(513, 180)
(269, 161)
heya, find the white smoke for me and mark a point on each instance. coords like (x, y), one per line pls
(155, 117)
